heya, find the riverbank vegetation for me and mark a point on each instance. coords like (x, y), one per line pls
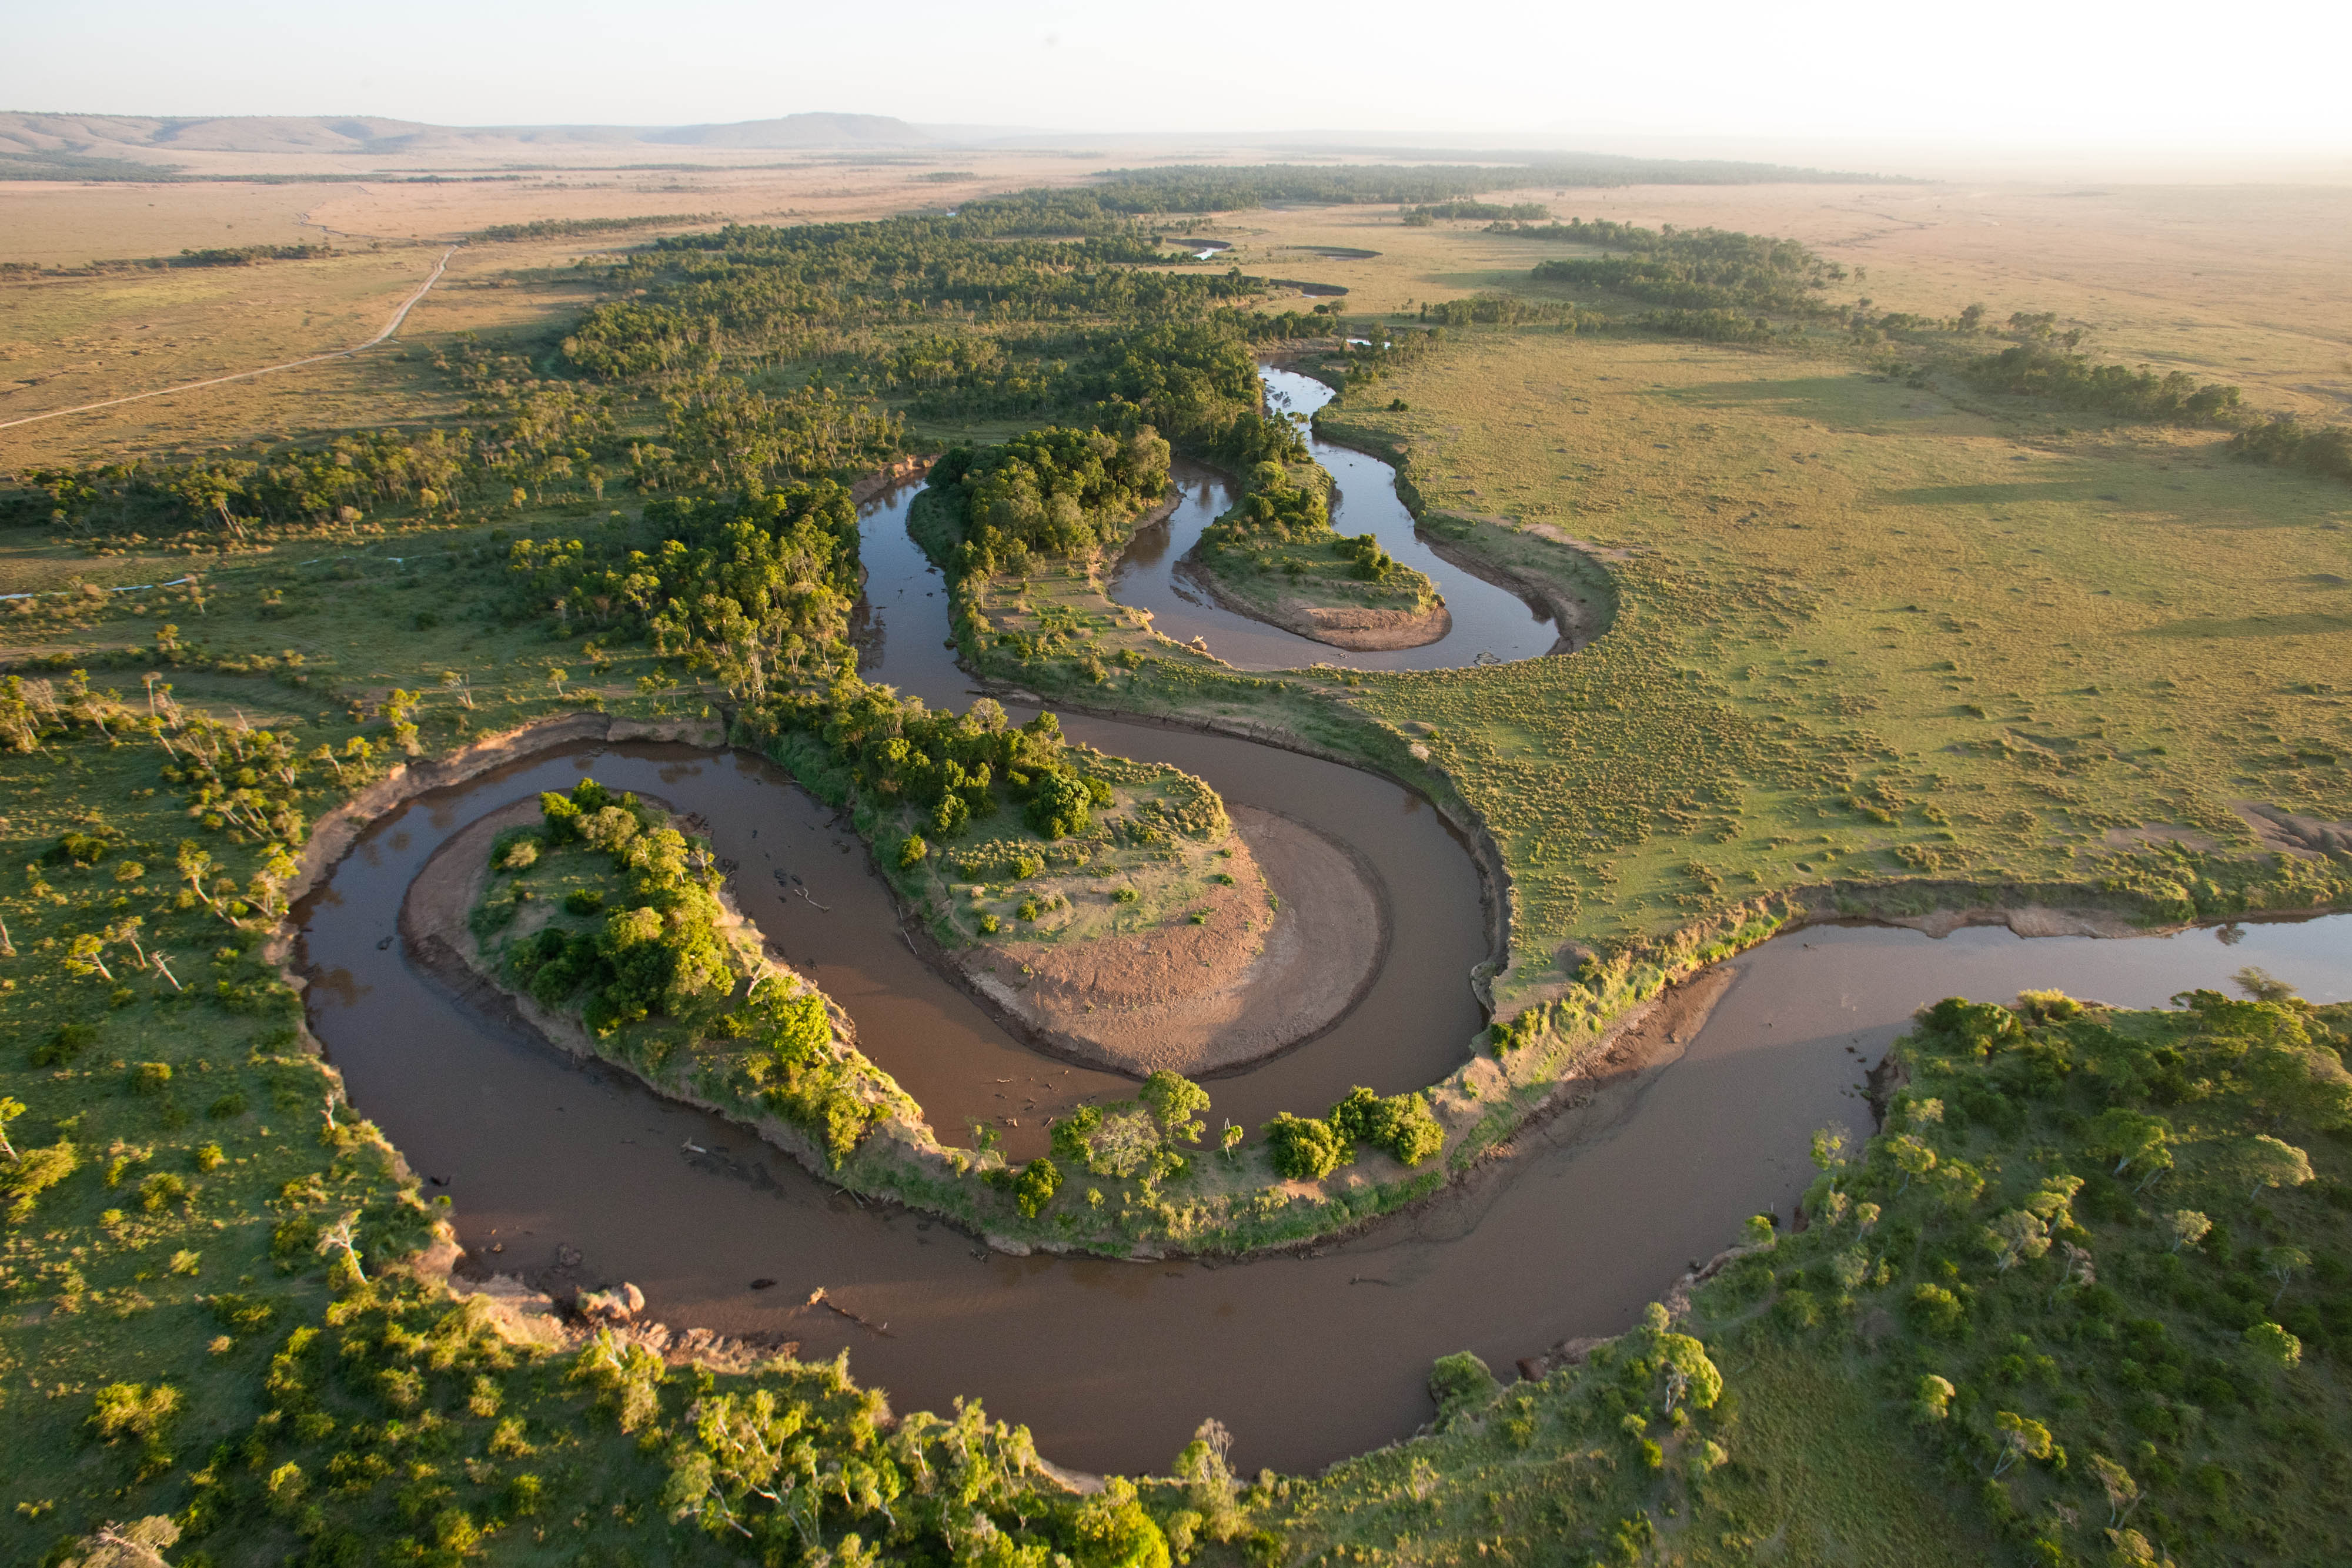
(1878, 647)
(2081, 1300)
(607, 913)
(1274, 555)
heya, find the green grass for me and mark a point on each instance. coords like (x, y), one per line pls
(1863, 635)
(1860, 657)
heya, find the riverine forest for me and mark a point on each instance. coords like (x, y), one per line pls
(813, 844)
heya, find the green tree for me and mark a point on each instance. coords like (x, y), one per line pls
(2283, 1264)
(2021, 1438)
(1303, 1148)
(2274, 1345)
(2133, 1137)
(2273, 1164)
(1176, 1102)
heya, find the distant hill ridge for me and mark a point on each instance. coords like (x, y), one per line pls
(68, 144)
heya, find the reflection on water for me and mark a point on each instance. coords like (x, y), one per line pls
(1486, 618)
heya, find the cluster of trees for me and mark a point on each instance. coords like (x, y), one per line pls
(1518, 211)
(728, 436)
(748, 295)
(2074, 379)
(248, 254)
(1274, 509)
(1309, 1148)
(1691, 270)
(2283, 439)
(1499, 309)
(953, 771)
(658, 952)
(756, 589)
(1716, 326)
(215, 255)
(1140, 1139)
(653, 950)
(565, 228)
(532, 435)
(1050, 492)
(1208, 187)
(2106, 1331)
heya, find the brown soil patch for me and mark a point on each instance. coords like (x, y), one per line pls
(451, 883)
(2306, 838)
(1358, 629)
(1200, 998)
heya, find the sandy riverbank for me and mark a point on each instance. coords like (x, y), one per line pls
(1359, 629)
(1206, 998)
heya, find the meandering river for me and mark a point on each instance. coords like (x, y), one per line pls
(1113, 1363)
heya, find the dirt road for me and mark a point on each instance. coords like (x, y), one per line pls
(389, 328)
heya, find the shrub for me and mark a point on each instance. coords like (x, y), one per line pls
(134, 1410)
(242, 1315)
(1059, 806)
(1303, 1148)
(1401, 1125)
(1933, 1310)
(584, 901)
(911, 851)
(66, 1041)
(1040, 1180)
(1797, 1309)
(1460, 1383)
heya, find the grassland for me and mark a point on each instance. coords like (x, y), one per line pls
(1899, 637)
(1877, 647)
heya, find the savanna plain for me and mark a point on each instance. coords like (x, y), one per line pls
(1922, 553)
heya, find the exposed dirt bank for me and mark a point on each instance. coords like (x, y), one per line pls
(335, 832)
(1578, 621)
(1359, 629)
(1205, 998)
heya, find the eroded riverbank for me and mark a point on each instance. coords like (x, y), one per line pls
(581, 1176)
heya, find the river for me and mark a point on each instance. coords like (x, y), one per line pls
(1308, 1358)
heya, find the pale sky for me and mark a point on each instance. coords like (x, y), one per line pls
(1996, 73)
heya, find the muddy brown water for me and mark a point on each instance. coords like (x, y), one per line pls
(1112, 1364)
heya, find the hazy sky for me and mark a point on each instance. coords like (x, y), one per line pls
(1993, 72)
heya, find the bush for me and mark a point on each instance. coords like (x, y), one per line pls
(1059, 806)
(584, 901)
(1460, 1383)
(134, 1410)
(1401, 1125)
(1040, 1180)
(66, 1041)
(1303, 1148)
(1933, 1310)
(242, 1315)
(911, 851)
